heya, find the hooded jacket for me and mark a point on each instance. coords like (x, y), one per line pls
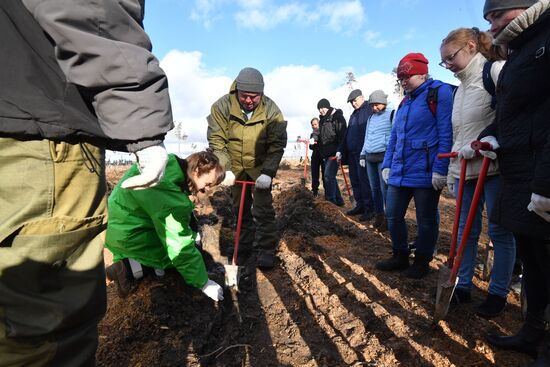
(254, 146)
(82, 72)
(332, 131)
(472, 113)
(158, 217)
(522, 125)
(418, 136)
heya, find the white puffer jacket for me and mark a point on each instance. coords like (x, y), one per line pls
(472, 112)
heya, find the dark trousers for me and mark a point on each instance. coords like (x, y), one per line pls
(535, 254)
(316, 165)
(360, 183)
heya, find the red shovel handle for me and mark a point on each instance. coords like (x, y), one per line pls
(240, 219)
(481, 145)
(447, 155)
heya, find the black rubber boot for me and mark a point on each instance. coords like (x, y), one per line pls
(398, 261)
(420, 267)
(525, 341)
(356, 210)
(491, 307)
(460, 296)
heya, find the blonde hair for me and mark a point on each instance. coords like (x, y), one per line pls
(483, 41)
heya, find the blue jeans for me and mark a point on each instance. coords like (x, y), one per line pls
(426, 201)
(378, 186)
(360, 183)
(332, 191)
(504, 243)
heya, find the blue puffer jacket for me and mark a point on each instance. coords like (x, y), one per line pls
(417, 137)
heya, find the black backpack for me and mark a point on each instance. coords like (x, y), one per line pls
(489, 84)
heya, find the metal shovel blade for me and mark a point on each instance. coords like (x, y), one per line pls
(445, 289)
(232, 275)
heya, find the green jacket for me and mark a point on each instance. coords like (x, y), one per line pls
(254, 146)
(152, 226)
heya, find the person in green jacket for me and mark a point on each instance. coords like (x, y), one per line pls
(247, 131)
(153, 226)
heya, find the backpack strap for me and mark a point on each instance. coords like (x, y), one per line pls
(489, 83)
(391, 115)
(431, 99)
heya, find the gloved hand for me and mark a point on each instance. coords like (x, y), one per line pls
(540, 205)
(338, 156)
(362, 161)
(451, 185)
(466, 152)
(229, 179)
(494, 143)
(386, 174)
(438, 181)
(263, 182)
(151, 162)
(312, 141)
(213, 290)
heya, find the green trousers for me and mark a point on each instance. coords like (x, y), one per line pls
(52, 277)
(258, 228)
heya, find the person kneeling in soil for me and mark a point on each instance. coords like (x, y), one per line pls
(153, 226)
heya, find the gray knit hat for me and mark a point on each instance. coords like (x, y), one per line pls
(494, 5)
(250, 80)
(378, 96)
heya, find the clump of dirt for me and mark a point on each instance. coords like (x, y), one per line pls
(324, 305)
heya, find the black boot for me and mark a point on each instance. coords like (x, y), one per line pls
(525, 341)
(543, 358)
(491, 307)
(356, 210)
(398, 261)
(420, 267)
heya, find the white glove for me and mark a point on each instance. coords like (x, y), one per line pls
(466, 152)
(229, 179)
(263, 182)
(151, 162)
(386, 174)
(494, 143)
(540, 205)
(362, 162)
(338, 156)
(438, 181)
(213, 290)
(312, 141)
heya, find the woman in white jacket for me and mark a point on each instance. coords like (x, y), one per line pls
(465, 51)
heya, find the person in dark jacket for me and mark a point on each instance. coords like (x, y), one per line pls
(521, 133)
(80, 77)
(316, 160)
(411, 167)
(350, 148)
(332, 130)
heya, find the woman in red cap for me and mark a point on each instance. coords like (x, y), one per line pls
(421, 130)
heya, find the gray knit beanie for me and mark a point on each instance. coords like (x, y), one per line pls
(378, 96)
(494, 5)
(250, 80)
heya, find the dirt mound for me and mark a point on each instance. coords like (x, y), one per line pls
(324, 305)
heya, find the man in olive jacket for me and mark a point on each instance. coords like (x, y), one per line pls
(247, 131)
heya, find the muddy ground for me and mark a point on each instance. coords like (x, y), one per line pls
(324, 305)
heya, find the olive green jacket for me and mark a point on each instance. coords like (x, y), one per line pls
(253, 146)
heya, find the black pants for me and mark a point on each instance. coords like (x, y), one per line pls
(316, 164)
(534, 252)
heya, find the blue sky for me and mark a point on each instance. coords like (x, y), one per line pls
(303, 48)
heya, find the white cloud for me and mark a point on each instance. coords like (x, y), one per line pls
(295, 88)
(373, 39)
(206, 11)
(342, 16)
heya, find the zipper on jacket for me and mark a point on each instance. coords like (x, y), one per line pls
(425, 145)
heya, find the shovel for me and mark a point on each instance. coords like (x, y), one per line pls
(448, 273)
(232, 271)
(351, 198)
(306, 143)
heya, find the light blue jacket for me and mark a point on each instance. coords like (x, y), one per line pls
(418, 136)
(377, 132)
